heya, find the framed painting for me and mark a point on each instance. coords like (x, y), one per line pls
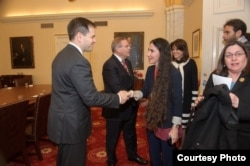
(21, 49)
(136, 40)
(196, 44)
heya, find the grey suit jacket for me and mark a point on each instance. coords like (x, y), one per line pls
(73, 93)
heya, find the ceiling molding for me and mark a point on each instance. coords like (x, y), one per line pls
(175, 7)
(66, 16)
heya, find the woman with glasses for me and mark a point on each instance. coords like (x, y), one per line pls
(233, 63)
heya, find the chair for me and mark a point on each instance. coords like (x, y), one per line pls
(36, 128)
(22, 81)
(12, 130)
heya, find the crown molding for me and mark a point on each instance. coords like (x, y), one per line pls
(174, 8)
(66, 16)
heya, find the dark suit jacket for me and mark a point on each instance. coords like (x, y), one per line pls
(73, 92)
(149, 82)
(247, 45)
(116, 78)
(215, 123)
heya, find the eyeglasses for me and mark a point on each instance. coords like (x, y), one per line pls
(127, 46)
(237, 54)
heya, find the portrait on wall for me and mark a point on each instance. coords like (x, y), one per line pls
(196, 44)
(21, 49)
(136, 40)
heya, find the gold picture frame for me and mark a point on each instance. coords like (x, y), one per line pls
(137, 46)
(196, 44)
(21, 49)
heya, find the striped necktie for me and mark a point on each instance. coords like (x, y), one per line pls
(125, 65)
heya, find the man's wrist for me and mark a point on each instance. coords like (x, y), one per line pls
(131, 93)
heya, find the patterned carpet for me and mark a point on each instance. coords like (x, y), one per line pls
(96, 145)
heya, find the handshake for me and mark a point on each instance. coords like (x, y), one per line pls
(125, 95)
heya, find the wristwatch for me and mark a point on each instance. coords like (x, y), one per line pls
(176, 125)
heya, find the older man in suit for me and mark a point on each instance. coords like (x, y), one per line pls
(118, 75)
(73, 92)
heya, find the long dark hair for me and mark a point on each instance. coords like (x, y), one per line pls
(156, 112)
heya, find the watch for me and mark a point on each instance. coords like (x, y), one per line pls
(176, 125)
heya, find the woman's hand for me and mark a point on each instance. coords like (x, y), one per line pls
(234, 100)
(198, 100)
(173, 134)
(137, 94)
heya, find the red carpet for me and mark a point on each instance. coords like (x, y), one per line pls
(96, 146)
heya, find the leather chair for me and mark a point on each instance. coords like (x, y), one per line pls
(36, 128)
(12, 130)
(22, 81)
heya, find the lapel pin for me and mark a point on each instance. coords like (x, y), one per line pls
(242, 79)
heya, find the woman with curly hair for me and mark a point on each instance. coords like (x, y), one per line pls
(163, 90)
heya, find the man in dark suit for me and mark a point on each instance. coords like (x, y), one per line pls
(118, 75)
(73, 93)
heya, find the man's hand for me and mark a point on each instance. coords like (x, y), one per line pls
(123, 95)
(131, 93)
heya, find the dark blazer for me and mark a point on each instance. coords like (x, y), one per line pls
(247, 45)
(149, 82)
(190, 82)
(215, 123)
(242, 90)
(73, 92)
(116, 78)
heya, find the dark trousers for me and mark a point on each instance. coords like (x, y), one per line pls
(160, 152)
(113, 131)
(71, 154)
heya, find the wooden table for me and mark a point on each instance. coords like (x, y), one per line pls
(13, 94)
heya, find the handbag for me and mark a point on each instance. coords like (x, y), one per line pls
(163, 133)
